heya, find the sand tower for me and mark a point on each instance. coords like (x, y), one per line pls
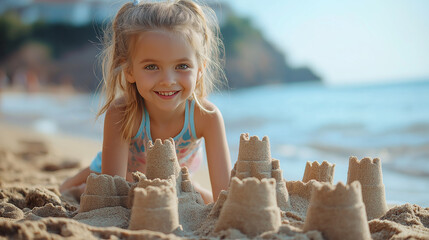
(282, 194)
(254, 157)
(250, 207)
(191, 204)
(254, 160)
(162, 160)
(104, 191)
(155, 209)
(301, 189)
(337, 211)
(368, 173)
(320, 172)
(162, 163)
(144, 183)
(187, 187)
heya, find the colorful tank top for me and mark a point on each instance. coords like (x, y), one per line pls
(188, 147)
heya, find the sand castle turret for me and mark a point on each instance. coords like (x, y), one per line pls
(254, 160)
(155, 209)
(320, 172)
(162, 163)
(337, 211)
(301, 189)
(104, 191)
(186, 185)
(144, 183)
(368, 173)
(250, 207)
(282, 194)
(162, 160)
(254, 157)
(253, 149)
(191, 204)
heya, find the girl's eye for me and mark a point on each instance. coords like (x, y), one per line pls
(151, 67)
(182, 66)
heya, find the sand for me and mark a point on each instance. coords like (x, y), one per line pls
(32, 166)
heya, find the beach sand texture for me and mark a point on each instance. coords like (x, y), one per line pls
(259, 203)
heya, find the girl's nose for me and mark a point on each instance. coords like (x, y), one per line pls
(168, 78)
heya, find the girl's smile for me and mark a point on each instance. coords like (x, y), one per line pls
(167, 94)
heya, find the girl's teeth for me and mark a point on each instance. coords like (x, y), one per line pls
(166, 93)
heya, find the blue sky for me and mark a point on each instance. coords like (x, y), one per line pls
(347, 42)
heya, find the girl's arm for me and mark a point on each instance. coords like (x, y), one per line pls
(115, 149)
(211, 127)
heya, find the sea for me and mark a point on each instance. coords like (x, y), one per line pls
(304, 122)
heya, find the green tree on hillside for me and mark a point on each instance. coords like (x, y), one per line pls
(13, 33)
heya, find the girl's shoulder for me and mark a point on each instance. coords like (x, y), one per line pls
(208, 118)
(117, 109)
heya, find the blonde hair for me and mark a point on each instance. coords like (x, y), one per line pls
(195, 22)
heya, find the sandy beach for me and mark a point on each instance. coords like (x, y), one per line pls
(32, 165)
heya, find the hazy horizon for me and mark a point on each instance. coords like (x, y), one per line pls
(347, 42)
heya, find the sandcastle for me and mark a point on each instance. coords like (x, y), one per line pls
(162, 160)
(368, 173)
(104, 191)
(314, 172)
(155, 209)
(320, 172)
(162, 168)
(155, 205)
(250, 207)
(162, 200)
(257, 190)
(337, 211)
(162, 171)
(254, 160)
(257, 199)
(328, 204)
(300, 188)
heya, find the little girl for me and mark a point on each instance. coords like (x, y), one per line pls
(160, 62)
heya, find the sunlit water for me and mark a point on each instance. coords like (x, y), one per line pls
(304, 122)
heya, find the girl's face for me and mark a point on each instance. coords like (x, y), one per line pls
(165, 69)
